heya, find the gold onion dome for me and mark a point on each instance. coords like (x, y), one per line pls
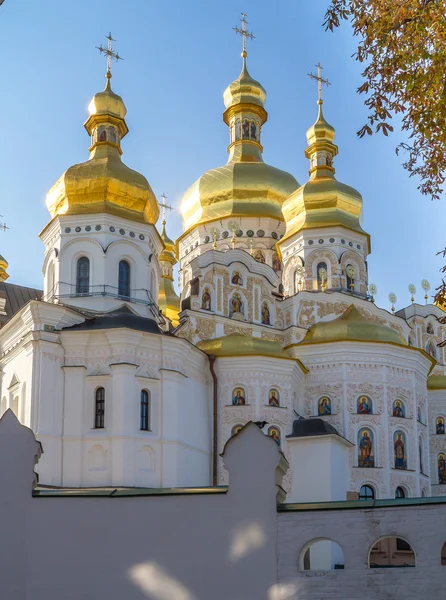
(354, 327)
(104, 183)
(3, 266)
(245, 186)
(168, 299)
(322, 201)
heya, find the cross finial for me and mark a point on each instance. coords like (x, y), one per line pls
(3, 225)
(164, 206)
(320, 80)
(109, 53)
(244, 33)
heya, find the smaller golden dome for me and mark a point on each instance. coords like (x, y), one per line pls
(441, 304)
(104, 183)
(320, 130)
(244, 90)
(236, 344)
(354, 327)
(436, 382)
(107, 103)
(169, 245)
(3, 266)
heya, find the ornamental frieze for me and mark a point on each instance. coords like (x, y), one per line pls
(205, 328)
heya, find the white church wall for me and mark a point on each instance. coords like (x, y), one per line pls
(320, 467)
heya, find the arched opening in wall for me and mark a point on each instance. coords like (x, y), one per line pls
(144, 411)
(99, 408)
(321, 555)
(443, 555)
(322, 275)
(350, 276)
(124, 279)
(391, 552)
(400, 492)
(83, 276)
(431, 348)
(367, 492)
(15, 406)
(50, 280)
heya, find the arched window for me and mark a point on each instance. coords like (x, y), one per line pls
(83, 276)
(321, 555)
(296, 281)
(144, 411)
(391, 552)
(366, 493)
(399, 492)
(124, 279)
(349, 270)
(322, 273)
(420, 452)
(99, 408)
(50, 280)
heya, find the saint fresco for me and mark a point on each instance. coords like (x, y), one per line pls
(399, 447)
(324, 406)
(365, 405)
(236, 305)
(236, 429)
(206, 300)
(273, 398)
(441, 468)
(259, 256)
(238, 397)
(439, 425)
(236, 278)
(275, 434)
(366, 453)
(399, 409)
(265, 314)
(277, 265)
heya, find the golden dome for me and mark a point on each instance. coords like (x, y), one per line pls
(436, 382)
(104, 183)
(3, 266)
(244, 90)
(322, 201)
(352, 326)
(168, 299)
(236, 344)
(245, 186)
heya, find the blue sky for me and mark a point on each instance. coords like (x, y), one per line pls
(178, 58)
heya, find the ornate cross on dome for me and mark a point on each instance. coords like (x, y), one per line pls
(109, 53)
(164, 206)
(244, 33)
(320, 80)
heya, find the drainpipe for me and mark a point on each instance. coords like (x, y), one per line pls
(215, 422)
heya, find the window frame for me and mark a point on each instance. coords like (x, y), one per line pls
(144, 410)
(82, 281)
(124, 287)
(99, 408)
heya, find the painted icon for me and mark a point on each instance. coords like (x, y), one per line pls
(366, 453)
(399, 448)
(365, 405)
(238, 397)
(324, 406)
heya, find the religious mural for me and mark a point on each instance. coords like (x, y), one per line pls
(236, 279)
(206, 299)
(400, 451)
(102, 134)
(236, 305)
(366, 451)
(324, 406)
(431, 348)
(236, 428)
(112, 135)
(274, 432)
(277, 265)
(259, 256)
(399, 410)
(441, 468)
(238, 397)
(273, 399)
(253, 131)
(245, 130)
(430, 329)
(365, 405)
(439, 426)
(265, 314)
